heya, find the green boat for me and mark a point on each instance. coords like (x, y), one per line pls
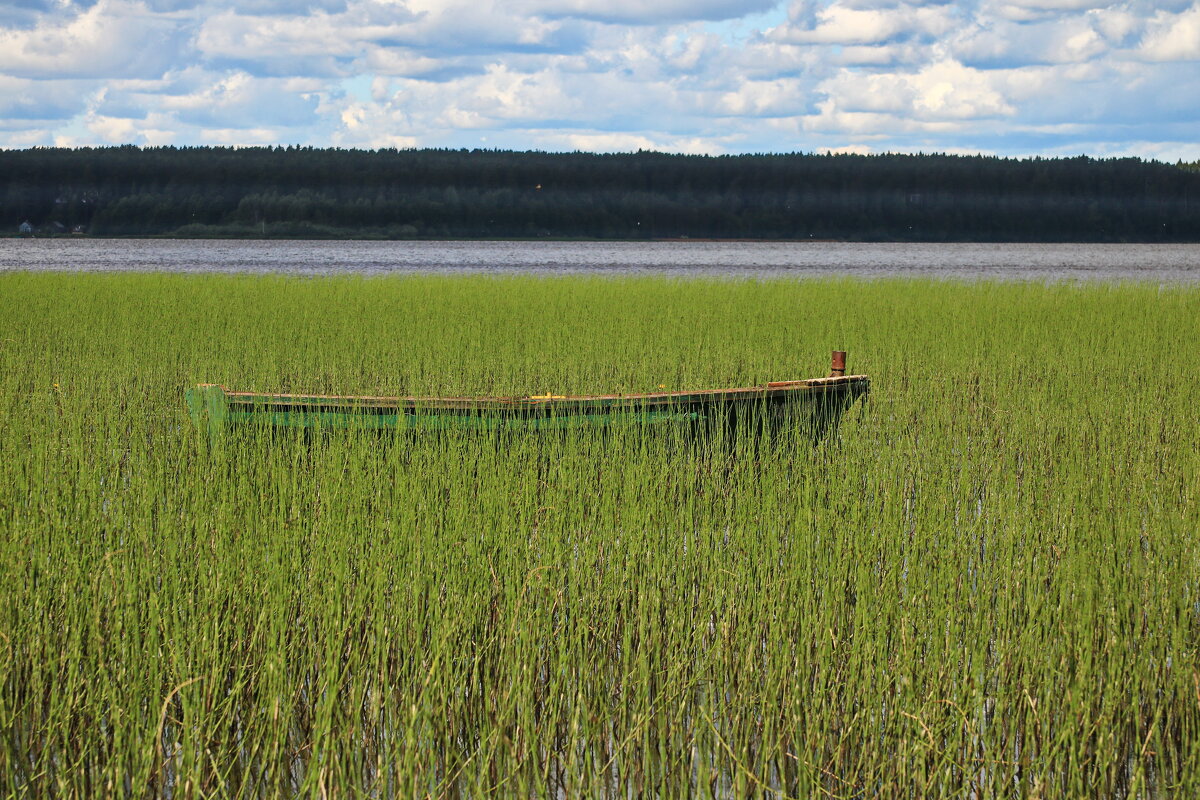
(816, 404)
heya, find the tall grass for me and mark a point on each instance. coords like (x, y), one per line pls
(986, 586)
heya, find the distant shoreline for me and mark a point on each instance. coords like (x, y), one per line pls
(446, 195)
(350, 237)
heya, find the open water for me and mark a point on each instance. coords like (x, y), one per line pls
(1154, 263)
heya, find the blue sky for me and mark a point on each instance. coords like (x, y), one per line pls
(1006, 77)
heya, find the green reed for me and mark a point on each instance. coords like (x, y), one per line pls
(985, 585)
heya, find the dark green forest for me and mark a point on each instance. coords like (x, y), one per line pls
(290, 192)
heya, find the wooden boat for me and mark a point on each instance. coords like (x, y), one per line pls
(816, 404)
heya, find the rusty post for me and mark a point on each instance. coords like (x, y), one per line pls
(839, 364)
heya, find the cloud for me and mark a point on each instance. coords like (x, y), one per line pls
(943, 91)
(241, 137)
(1173, 37)
(285, 7)
(841, 24)
(239, 100)
(421, 39)
(1060, 41)
(1032, 10)
(39, 102)
(112, 39)
(781, 97)
(713, 76)
(640, 12)
(603, 142)
(402, 63)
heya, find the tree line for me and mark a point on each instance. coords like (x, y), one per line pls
(312, 192)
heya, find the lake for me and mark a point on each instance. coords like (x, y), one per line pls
(1155, 263)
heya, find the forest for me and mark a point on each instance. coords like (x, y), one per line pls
(299, 192)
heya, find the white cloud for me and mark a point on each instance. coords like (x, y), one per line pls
(764, 99)
(400, 62)
(1031, 10)
(237, 99)
(1010, 76)
(241, 137)
(1173, 37)
(112, 39)
(1073, 39)
(32, 137)
(942, 91)
(117, 130)
(844, 25)
(628, 143)
(1115, 24)
(113, 130)
(947, 89)
(642, 12)
(42, 101)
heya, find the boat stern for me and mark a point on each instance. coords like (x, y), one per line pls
(208, 407)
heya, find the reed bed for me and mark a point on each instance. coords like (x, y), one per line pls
(986, 585)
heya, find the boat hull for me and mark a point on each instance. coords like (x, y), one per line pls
(814, 404)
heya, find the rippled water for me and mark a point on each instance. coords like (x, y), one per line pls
(1166, 263)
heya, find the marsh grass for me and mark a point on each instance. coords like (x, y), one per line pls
(985, 586)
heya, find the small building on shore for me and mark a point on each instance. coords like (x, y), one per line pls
(25, 229)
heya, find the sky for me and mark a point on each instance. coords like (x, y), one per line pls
(1002, 77)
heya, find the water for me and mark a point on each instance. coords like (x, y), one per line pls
(1155, 263)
